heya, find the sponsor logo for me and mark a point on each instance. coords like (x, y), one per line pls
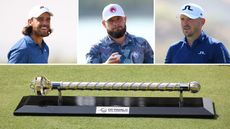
(201, 53)
(112, 110)
(113, 9)
(188, 7)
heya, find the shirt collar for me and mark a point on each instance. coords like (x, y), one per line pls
(197, 41)
(31, 42)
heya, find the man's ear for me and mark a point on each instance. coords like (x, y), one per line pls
(29, 22)
(125, 18)
(203, 21)
(103, 23)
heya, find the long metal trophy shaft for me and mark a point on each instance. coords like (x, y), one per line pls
(42, 85)
(147, 86)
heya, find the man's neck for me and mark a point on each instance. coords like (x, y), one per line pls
(37, 40)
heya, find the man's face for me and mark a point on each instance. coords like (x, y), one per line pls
(41, 25)
(115, 26)
(191, 27)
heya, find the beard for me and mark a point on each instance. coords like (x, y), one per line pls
(41, 33)
(118, 33)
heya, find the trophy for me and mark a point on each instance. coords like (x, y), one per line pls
(42, 104)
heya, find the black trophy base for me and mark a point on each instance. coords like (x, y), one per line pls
(116, 106)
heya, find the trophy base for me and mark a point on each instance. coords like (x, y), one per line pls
(116, 106)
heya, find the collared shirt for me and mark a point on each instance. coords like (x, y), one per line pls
(205, 49)
(133, 50)
(27, 51)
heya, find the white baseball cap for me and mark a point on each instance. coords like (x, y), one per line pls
(38, 10)
(112, 10)
(192, 11)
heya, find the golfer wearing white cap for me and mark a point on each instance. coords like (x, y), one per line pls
(119, 46)
(32, 48)
(196, 47)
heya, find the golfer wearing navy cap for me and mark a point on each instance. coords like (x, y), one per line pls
(197, 46)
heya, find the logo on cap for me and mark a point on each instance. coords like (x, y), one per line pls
(187, 7)
(113, 10)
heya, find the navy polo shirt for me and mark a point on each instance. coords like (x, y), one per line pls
(203, 50)
(27, 51)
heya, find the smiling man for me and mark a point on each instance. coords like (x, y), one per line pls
(119, 46)
(196, 47)
(32, 48)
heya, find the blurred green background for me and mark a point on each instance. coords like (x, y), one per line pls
(132, 8)
(140, 22)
